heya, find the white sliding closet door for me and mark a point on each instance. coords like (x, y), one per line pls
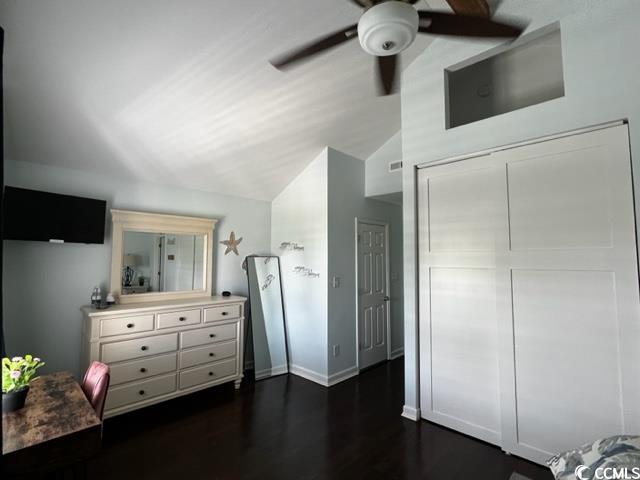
(529, 308)
(570, 360)
(462, 219)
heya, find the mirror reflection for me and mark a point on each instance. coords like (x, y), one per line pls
(267, 316)
(162, 262)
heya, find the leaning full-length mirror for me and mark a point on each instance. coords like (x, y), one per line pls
(267, 316)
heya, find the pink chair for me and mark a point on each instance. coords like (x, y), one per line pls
(95, 385)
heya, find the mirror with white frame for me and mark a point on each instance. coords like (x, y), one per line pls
(160, 257)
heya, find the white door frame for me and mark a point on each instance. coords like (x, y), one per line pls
(387, 292)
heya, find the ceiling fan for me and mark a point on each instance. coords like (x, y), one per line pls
(387, 27)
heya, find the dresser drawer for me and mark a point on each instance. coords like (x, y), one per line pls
(207, 373)
(208, 354)
(124, 325)
(141, 369)
(139, 391)
(178, 319)
(140, 347)
(224, 312)
(202, 336)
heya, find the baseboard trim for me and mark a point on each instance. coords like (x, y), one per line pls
(398, 352)
(411, 413)
(309, 375)
(324, 380)
(270, 372)
(343, 375)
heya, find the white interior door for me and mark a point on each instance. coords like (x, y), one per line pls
(373, 300)
(529, 306)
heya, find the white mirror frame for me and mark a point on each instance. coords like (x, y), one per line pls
(124, 221)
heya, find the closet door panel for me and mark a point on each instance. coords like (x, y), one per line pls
(462, 210)
(571, 374)
(567, 358)
(464, 357)
(560, 201)
(463, 220)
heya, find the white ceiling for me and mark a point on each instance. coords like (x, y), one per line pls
(180, 92)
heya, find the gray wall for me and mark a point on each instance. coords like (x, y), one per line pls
(299, 214)
(346, 203)
(601, 68)
(378, 179)
(516, 78)
(45, 284)
(318, 210)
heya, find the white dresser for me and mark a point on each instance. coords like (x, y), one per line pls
(162, 350)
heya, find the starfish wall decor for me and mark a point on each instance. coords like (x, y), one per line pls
(231, 244)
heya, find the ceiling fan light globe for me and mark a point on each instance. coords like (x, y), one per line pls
(388, 28)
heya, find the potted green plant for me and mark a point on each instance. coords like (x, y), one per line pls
(17, 372)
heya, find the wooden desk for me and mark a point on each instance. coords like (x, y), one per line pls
(57, 427)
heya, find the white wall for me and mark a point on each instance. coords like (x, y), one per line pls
(45, 284)
(346, 203)
(299, 214)
(318, 210)
(601, 68)
(378, 179)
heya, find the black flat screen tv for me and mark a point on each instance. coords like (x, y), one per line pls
(51, 217)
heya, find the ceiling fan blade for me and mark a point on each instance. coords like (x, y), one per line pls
(364, 3)
(387, 73)
(473, 8)
(325, 43)
(440, 23)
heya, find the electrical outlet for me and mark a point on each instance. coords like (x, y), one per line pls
(336, 350)
(336, 282)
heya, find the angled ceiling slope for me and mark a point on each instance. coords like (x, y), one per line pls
(181, 93)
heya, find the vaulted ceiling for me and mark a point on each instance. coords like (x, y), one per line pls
(180, 92)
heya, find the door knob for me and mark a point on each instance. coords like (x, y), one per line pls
(386, 298)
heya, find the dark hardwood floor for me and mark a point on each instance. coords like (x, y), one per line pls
(289, 428)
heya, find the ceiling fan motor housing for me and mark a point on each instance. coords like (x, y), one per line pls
(388, 28)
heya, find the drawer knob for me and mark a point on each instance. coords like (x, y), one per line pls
(141, 392)
(212, 335)
(225, 313)
(211, 374)
(211, 354)
(143, 370)
(182, 319)
(144, 347)
(130, 325)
